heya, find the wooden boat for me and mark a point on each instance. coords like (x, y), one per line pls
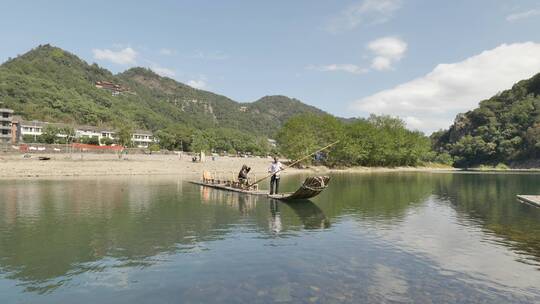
(311, 187)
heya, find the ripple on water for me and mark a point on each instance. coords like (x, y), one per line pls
(403, 238)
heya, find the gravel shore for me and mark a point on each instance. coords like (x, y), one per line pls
(16, 166)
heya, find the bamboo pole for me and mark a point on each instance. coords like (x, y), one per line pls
(294, 163)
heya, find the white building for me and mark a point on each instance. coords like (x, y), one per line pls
(142, 139)
(6, 116)
(108, 134)
(87, 131)
(31, 128)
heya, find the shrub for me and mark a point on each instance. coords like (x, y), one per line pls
(502, 166)
(107, 141)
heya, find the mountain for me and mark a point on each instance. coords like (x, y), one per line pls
(48, 83)
(503, 129)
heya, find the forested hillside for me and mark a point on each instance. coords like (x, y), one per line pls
(503, 129)
(51, 84)
(48, 83)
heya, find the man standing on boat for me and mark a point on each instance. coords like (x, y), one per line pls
(275, 170)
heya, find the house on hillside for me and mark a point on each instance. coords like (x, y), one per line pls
(142, 139)
(115, 89)
(6, 117)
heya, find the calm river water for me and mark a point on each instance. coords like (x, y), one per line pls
(371, 238)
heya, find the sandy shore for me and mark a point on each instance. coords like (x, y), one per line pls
(16, 166)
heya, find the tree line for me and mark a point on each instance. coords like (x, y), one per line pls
(222, 140)
(374, 141)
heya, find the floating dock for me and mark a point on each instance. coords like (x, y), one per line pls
(530, 199)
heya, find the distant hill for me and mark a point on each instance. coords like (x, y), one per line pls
(503, 129)
(48, 83)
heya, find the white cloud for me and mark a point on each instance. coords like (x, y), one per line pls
(381, 63)
(387, 50)
(124, 56)
(523, 15)
(198, 83)
(432, 101)
(346, 67)
(216, 55)
(167, 52)
(366, 12)
(163, 71)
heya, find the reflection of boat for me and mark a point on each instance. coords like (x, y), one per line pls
(311, 187)
(310, 214)
(533, 200)
(244, 203)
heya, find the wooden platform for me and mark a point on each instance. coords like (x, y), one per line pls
(530, 199)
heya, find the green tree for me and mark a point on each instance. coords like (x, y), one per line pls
(376, 141)
(124, 136)
(306, 133)
(50, 134)
(69, 134)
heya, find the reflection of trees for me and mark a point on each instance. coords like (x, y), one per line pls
(53, 231)
(490, 200)
(72, 228)
(379, 197)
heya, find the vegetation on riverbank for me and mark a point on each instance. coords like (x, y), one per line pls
(503, 129)
(375, 141)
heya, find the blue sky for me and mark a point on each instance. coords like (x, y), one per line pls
(424, 61)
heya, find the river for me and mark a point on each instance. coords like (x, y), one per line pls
(369, 238)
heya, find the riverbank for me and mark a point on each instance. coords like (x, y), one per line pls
(16, 166)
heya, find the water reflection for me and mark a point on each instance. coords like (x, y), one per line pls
(369, 238)
(310, 214)
(52, 231)
(489, 200)
(244, 203)
(275, 219)
(383, 198)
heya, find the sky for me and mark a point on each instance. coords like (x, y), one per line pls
(422, 60)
